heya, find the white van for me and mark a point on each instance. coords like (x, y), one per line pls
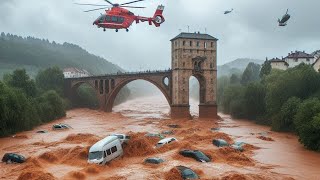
(105, 150)
(165, 141)
(123, 138)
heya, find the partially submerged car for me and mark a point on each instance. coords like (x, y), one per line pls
(167, 132)
(174, 126)
(187, 173)
(154, 160)
(220, 142)
(165, 141)
(155, 135)
(61, 126)
(123, 138)
(13, 158)
(195, 154)
(42, 132)
(105, 150)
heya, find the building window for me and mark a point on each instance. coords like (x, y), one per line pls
(184, 43)
(211, 65)
(205, 45)
(211, 44)
(183, 64)
(190, 43)
(176, 44)
(198, 43)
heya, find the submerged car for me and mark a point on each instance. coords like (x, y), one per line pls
(61, 126)
(187, 173)
(195, 154)
(155, 135)
(13, 158)
(154, 160)
(220, 142)
(42, 132)
(165, 141)
(122, 137)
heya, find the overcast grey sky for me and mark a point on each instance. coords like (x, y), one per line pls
(250, 31)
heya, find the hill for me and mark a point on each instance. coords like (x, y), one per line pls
(34, 54)
(236, 67)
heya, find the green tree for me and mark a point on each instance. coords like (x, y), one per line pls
(50, 106)
(265, 69)
(17, 112)
(230, 94)
(301, 81)
(250, 74)
(254, 96)
(307, 123)
(20, 79)
(51, 79)
(283, 121)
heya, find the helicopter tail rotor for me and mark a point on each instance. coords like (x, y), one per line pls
(158, 17)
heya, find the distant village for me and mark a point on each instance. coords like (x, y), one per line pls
(295, 58)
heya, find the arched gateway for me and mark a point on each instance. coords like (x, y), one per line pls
(193, 54)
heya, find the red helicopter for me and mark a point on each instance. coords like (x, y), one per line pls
(117, 17)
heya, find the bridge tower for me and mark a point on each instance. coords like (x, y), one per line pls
(194, 54)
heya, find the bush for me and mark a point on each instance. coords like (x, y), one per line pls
(307, 123)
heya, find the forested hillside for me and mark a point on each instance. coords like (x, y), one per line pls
(34, 54)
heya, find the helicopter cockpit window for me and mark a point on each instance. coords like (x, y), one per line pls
(114, 19)
(101, 18)
(120, 19)
(108, 18)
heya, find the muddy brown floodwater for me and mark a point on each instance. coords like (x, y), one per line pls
(63, 154)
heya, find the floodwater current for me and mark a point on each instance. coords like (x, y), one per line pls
(63, 154)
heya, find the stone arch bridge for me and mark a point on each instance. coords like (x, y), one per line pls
(108, 86)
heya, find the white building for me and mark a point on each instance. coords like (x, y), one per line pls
(293, 59)
(298, 57)
(316, 65)
(75, 73)
(277, 63)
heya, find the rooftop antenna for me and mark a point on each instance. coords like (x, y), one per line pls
(188, 29)
(205, 30)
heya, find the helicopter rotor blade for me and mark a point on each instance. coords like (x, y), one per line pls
(109, 2)
(96, 9)
(90, 4)
(131, 2)
(132, 7)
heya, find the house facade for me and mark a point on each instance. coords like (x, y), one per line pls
(75, 72)
(293, 59)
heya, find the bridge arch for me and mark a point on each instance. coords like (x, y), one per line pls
(165, 89)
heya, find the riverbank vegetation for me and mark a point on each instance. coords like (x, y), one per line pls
(26, 103)
(286, 100)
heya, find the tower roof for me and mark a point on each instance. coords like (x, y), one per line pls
(196, 35)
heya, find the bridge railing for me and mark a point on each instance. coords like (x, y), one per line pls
(127, 73)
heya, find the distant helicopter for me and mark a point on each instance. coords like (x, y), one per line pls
(227, 12)
(117, 17)
(284, 20)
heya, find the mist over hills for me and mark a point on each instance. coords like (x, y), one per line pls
(236, 66)
(34, 54)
